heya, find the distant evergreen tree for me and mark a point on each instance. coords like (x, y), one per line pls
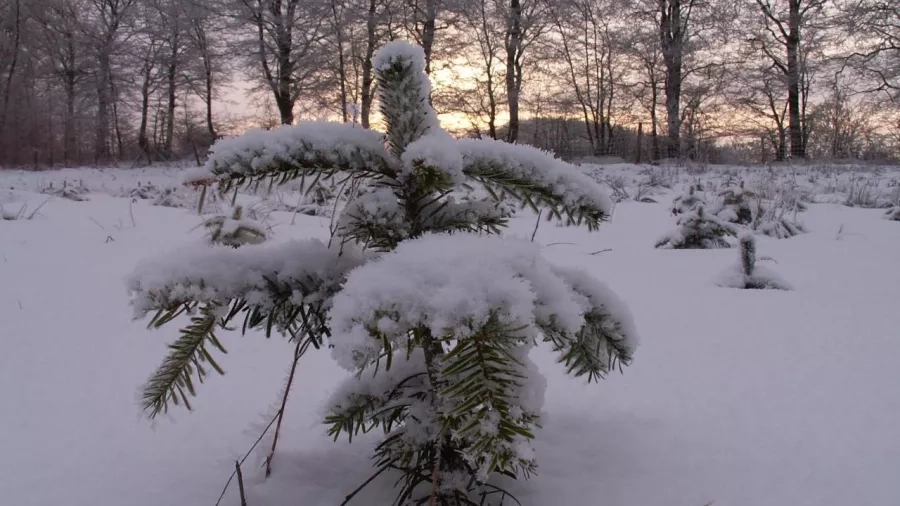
(698, 229)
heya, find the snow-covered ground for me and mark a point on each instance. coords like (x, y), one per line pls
(735, 397)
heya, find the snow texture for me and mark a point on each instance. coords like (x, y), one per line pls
(324, 145)
(782, 228)
(406, 384)
(698, 229)
(469, 210)
(600, 298)
(400, 50)
(733, 207)
(220, 274)
(526, 162)
(687, 201)
(235, 230)
(453, 284)
(378, 207)
(404, 99)
(762, 278)
(762, 398)
(435, 149)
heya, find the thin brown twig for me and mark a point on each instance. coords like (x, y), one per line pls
(240, 477)
(351, 495)
(244, 458)
(432, 501)
(537, 223)
(280, 415)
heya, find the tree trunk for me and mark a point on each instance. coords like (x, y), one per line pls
(284, 93)
(492, 105)
(798, 149)
(143, 141)
(69, 128)
(7, 90)
(171, 74)
(366, 92)
(101, 139)
(673, 111)
(654, 121)
(428, 32)
(114, 95)
(342, 71)
(513, 39)
(210, 127)
(672, 35)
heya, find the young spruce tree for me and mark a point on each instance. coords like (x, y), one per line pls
(746, 274)
(698, 229)
(432, 311)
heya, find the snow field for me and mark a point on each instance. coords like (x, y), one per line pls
(737, 397)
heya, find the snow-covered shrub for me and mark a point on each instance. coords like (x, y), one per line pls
(433, 316)
(734, 206)
(144, 192)
(663, 177)
(865, 191)
(698, 229)
(21, 213)
(746, 274)
(893, 213)
(776, 207)
(69, 191)
(780, 228)
(687, 201)
(173, 197)
(641, 191)
(236, 230)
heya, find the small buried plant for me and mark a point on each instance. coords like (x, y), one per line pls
(77, 193)
(748, 275)
(893, 213)
(22, 213)
(686, 202)
(417, 296)
(698, 229)
(235, 231)
(734, 207)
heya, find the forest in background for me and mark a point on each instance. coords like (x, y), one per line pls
(138, 81)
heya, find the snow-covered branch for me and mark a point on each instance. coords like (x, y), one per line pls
(309, 149)
(536, 178)
(263, 276)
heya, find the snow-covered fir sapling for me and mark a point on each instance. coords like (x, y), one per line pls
(235, 231)
(698, 229)
(172, 197)
(69, 191)
(687, 201)
(431, 310)
(748, 275)
(734, 207)
(893, 213)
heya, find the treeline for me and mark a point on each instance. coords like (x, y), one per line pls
(104, 81)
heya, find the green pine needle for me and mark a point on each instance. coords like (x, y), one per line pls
(173, 380)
